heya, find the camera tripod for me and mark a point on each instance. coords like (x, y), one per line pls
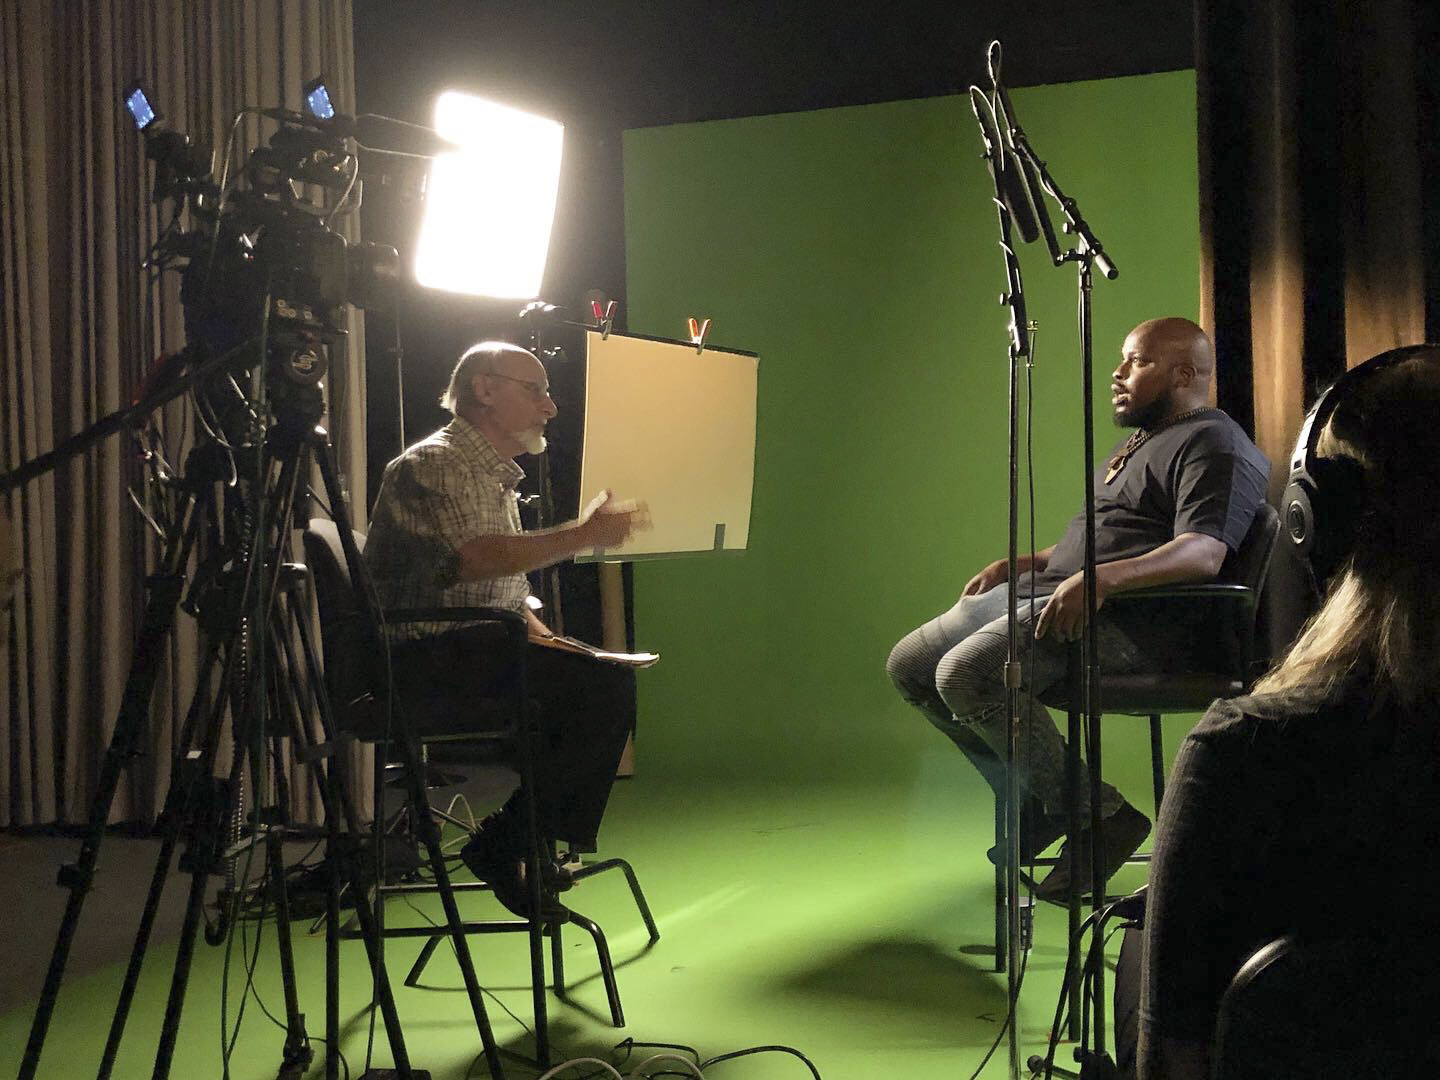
(260, 663)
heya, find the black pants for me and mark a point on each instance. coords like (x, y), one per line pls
(585, 710)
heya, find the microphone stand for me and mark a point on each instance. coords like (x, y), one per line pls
(1014, 299)
(1087, 254)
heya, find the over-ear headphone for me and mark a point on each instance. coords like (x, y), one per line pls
(1324, 500)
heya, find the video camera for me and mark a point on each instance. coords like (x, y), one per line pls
(258, 249)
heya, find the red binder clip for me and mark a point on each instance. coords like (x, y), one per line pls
(604, 316)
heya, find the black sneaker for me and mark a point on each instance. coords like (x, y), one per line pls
(496, 855)
(1124, 832)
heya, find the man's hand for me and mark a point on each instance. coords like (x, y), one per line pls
(1064, 615)
(1188, 557)
(607, 522)
(997, 573)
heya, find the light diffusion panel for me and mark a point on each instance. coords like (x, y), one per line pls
(676, 430)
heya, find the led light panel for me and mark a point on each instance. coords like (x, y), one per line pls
(489, 206)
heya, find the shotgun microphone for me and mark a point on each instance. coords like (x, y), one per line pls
(1003, 168)
(1023, 173)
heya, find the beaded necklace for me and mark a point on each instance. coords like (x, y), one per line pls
(1141, 437)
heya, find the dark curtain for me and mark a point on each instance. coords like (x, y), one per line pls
(1319, 208)
(79, 324)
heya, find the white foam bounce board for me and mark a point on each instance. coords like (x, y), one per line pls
(676, 430)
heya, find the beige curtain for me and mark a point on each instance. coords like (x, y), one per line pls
(1318, 199)
(80, 324)
(1320, 214)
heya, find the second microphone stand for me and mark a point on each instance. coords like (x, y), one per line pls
(1019, 350)
(1006, 156)
(1087, 254)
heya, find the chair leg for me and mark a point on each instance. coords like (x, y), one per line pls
(557, 957)
(636, 892)
(378, 778)
(533, 852)
(427, 951)
(1072, 903)
(607, 969)
(1098, 881)
(1001, 849)
(1157, 762)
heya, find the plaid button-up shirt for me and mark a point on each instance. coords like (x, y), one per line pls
(441, 492)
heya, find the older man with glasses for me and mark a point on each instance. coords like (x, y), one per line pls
(446, 532)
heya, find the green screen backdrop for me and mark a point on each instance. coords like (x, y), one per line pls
(855, 250)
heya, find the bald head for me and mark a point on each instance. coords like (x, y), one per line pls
(1165, 369)
(1180, 342)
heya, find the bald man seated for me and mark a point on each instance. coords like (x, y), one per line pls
(1171, 502)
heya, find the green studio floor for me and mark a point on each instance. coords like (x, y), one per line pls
(852, 925)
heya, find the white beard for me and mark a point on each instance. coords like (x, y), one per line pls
(533, 440)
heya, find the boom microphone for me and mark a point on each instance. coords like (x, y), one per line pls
(1003, 168)
(1025, 178)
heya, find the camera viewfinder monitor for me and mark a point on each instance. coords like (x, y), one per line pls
(317, 101)
(139, 107)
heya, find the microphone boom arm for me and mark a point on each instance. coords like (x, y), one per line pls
(1075, 223)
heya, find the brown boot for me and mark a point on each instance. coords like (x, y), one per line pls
(1124, 831)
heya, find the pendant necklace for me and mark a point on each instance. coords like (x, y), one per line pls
(1140, 438)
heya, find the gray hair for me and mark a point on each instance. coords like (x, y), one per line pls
(479, 359)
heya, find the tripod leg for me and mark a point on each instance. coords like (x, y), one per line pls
(200, 855)
(168, 840)
(332, 956)
(159, 618)
(170, 1030)
(297, 1054)
(137, 958)
(429, 832)
(306, 670)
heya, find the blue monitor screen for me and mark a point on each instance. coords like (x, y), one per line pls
(140, 110)
(317, 102)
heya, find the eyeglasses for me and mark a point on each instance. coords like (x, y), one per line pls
(536, 390)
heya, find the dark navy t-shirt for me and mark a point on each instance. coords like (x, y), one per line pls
(1202, 475)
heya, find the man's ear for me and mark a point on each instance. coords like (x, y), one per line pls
(480, 389)
(1184, 374)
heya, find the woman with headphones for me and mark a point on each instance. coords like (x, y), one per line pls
(1311, 807)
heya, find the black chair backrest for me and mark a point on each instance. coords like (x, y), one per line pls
(1332, 1010)
(354, 656)
(1250, 564)
(357, 663)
